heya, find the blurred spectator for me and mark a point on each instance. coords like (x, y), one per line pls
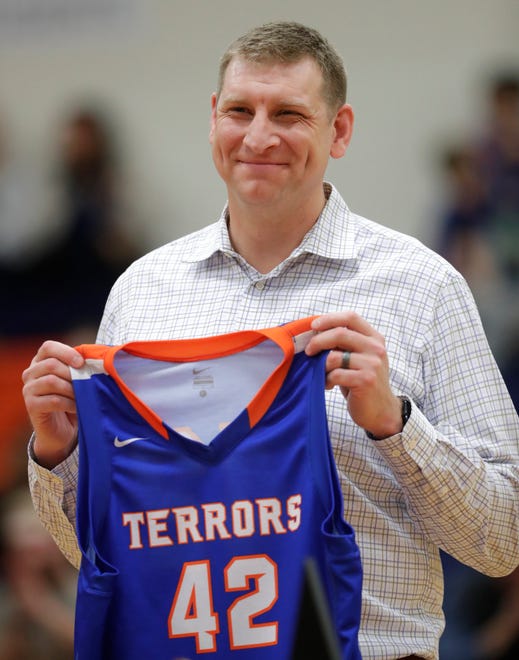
(37, 605)
(480, 236)
(65, 288)
(480, 224)
(498, 153)
(94, 247)
(498, 159)
(482, 615)
(467, 217)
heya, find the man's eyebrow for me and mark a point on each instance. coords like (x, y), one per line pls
(234, 100)
(282, 103)
(294, 103)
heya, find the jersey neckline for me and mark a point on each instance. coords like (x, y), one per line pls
(206, 348)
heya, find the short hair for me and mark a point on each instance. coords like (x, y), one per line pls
(290, 42)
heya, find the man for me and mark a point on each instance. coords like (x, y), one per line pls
(425, 436)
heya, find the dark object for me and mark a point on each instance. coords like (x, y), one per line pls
(315, 633)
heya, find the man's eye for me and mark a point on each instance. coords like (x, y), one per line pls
(290, 114)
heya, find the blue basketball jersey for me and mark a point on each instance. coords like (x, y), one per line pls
(206, 479)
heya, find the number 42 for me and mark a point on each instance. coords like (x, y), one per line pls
(192, 612)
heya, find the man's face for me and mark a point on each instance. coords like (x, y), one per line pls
(272, 132)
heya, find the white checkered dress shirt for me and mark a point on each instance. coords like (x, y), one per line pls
(450, 480)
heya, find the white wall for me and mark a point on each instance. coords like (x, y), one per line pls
(414, 66)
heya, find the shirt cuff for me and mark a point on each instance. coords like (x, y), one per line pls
(406, 451)
(55, 480)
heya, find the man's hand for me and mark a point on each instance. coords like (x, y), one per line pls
(49, 399)
(365, 383)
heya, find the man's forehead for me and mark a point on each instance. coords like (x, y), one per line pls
(268, 67)
(303, 73)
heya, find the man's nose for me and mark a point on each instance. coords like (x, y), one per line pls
(260, 134)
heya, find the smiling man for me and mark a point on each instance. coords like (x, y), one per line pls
(272, 136)
(424, 435)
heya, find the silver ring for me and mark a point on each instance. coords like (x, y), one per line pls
(346, 356)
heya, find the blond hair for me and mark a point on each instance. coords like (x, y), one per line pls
(289, 42)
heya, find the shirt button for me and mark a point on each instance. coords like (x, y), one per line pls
(396, 453)
(260, 285)
(411, 444)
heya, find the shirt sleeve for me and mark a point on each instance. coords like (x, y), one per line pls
(54, 492)
(457, 459)
(54, 498)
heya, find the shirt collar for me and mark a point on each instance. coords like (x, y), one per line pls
(331, 237)
(210, 240)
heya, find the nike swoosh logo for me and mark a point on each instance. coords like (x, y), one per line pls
(123, 443)
(199, 371)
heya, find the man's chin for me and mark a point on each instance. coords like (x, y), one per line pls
(259, 192)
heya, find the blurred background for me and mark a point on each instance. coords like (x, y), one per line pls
(104, 154)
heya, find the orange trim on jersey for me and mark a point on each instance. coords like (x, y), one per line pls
(205, 348)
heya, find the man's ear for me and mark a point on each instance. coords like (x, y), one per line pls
(343, 127)
(213, 116)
